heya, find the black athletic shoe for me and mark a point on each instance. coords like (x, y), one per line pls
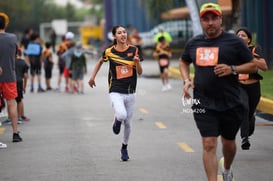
(245, 144)
(16, 137)
(116, 126)
(41, 90)
(124, 155)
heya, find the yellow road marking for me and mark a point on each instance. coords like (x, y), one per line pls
(264, 124)
(160, 125)
(145, 111)
(185, 147)
(2, 130)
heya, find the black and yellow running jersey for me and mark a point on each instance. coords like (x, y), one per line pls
(122, 77)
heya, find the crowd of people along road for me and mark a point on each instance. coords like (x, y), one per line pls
(33, 56)
(226, 82)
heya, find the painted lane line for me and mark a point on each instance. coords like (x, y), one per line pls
(160, 125)
(2, 130)
(144, 111)
(185, 147)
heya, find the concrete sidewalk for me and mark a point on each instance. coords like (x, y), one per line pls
(265, 105)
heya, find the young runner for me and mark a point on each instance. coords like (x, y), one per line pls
(125, 65)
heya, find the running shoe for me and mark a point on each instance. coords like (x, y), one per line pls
(66, 90)
(41, 90)
(57, 89)
(3, 145)
(24, 118)
(16, 137)
(116, 126)
(227, 175)
(7, 121)
(169, 87)
(164, 88)
(75, 89)
(20, 121)
(124, 154)
(245, 143)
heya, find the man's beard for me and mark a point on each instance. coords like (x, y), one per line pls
(211, 32)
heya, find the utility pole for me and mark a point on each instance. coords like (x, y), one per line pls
(194, 14)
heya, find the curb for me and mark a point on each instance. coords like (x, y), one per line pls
(265, 105)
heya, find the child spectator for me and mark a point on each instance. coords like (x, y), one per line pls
(48, 64)
(33, 56)
(76, 61)
(21, 68)
(79, 68)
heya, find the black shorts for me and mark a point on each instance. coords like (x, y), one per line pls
(61, 69)
(163, 64)
(48, 72)
(61, 64)
(35, 65)
(20, 92)
(213, 123)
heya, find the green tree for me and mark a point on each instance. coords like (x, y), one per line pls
(154, 8)
(30, 13)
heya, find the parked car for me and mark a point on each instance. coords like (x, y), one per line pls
(180, 30)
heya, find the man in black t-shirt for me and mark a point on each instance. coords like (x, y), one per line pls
(217, 57)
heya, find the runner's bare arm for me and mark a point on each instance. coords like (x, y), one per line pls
(222, 69)
(91, 81)
(184, 68)
(138, 65)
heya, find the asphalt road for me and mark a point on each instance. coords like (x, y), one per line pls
(69, 138)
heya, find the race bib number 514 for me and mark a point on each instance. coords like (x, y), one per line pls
(207, 56)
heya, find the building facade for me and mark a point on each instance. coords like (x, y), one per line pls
(257, 16)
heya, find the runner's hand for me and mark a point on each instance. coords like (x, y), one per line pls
(136, 59)
(187, 86)
(222, 70)
(92, 83)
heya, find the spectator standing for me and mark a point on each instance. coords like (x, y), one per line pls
(34, 58)
(135, 39)
(124, 66)
(78, 66)
(21, 68)
(48, 65)
(8, 88)
(26, 38)
(64, 63)
(217, 57)
(53, 38)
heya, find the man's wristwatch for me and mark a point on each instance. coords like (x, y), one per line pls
(233, 68)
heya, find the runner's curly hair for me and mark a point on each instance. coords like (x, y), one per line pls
(4, 20)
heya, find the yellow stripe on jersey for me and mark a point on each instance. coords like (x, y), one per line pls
(117, 58)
